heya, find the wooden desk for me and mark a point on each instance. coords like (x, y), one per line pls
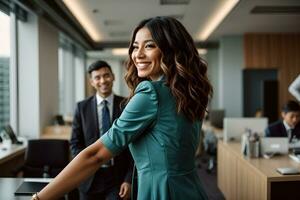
(15, 150)
(11, 158)
(57, 132)
(8, 186)
(240, 177)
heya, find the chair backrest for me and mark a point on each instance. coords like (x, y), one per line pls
(216, 117)
(235, 127)
(46, 156)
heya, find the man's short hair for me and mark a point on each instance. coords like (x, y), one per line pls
(291, 106)
(98, 65)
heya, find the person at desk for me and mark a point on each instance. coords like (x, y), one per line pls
(289, 126)
(161, 123)
(93, 118)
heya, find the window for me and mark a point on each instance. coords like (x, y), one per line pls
(4, 69)
(71, 75)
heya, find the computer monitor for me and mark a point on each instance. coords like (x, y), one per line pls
(271, 145)
(216, 117)
(235, 127)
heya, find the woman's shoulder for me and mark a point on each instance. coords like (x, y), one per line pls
(145, 86)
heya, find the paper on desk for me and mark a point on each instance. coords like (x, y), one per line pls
(295, 157)
(38, 180)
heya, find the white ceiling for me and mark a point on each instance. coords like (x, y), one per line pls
(241, 21)
(116, 19)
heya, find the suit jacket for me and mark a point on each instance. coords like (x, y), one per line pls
(85, 131)
(162, 142)
(277, 129)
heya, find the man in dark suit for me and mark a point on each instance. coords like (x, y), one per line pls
(93, 116)
(289, 126)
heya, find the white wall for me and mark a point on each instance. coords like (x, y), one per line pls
(212, 58)
(231, 59)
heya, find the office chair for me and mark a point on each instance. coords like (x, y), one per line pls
(59, 120)
(45, 157)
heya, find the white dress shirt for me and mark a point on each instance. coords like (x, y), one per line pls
(110, 100)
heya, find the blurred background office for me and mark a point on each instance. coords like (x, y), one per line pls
(252, 49)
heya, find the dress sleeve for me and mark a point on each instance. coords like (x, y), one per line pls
(138, 114)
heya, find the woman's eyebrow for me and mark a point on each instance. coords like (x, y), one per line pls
(145, 41)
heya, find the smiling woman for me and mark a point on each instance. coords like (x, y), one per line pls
(161, 122)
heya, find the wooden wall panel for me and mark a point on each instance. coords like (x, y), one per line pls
(274, 51)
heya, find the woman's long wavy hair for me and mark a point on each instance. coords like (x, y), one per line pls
(184, 69)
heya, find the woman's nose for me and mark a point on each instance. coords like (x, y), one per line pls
(140, 53)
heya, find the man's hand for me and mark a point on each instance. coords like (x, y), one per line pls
(125, 191)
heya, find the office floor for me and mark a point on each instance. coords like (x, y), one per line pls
(209, 180)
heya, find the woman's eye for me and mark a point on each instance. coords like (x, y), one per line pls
(135, 47)
(150, 46)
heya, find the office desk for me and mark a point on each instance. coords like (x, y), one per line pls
(8, 186)
(57, 132)
(11, 158)
(15, 150)
(244, 178)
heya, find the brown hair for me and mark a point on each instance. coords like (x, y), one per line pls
(184, 69)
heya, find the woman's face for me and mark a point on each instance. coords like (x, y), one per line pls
(146, 55)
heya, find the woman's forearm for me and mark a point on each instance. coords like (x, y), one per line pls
(80, 168)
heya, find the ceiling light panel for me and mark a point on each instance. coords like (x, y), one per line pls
(174, 2)
(292, 10)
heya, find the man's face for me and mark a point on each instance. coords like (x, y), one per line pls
(291, 118)
(102, 80)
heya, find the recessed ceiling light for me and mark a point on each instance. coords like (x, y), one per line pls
(217, 18)
(95, 11)
(112, 22)
(83, 19)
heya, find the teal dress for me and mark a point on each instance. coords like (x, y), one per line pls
(162, 144)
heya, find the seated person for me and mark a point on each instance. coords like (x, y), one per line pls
(289, 126)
